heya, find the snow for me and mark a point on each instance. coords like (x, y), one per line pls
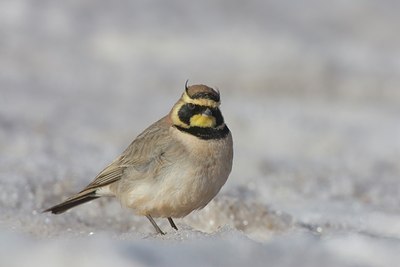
(310, 94)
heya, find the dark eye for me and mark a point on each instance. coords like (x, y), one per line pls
(190, 106)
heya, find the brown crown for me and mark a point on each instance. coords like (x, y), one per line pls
(201, 91)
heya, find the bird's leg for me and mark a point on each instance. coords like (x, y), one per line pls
(155, 225)
(171, 222)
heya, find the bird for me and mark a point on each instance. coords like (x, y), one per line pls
(175, 166)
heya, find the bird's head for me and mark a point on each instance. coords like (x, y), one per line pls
(198, 107)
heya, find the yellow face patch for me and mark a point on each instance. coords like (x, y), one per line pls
(175, 117)
(204, 121)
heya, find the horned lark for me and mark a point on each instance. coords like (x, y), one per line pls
(176, 166)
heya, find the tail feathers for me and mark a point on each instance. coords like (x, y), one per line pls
(72, 202)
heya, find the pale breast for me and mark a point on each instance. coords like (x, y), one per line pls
(202, 173)
(194, 172)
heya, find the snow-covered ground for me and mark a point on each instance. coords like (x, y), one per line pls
(309, 90)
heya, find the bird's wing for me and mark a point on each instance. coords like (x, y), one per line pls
(110, 174)
(146, 155)
(145, 150)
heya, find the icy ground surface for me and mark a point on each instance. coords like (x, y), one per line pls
(311, 96)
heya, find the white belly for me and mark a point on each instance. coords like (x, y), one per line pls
(188, 185)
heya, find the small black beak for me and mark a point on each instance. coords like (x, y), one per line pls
(207, 112)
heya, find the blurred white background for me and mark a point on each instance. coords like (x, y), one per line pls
(309, 90)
